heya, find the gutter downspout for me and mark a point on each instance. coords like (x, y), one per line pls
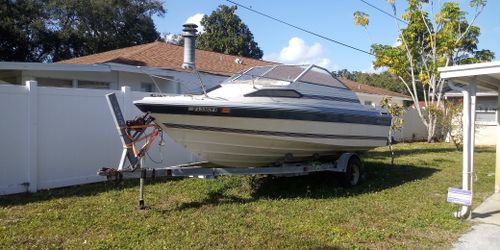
(468, 147)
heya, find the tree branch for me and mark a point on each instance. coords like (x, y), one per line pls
(470, 24)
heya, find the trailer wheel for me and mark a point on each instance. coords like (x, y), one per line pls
(354, 173)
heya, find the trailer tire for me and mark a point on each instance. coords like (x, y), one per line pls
(354, 173)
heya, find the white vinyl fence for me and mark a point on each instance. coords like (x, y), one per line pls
(55, 137)
(413, 127)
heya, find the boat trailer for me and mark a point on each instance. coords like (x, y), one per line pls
(138, 134)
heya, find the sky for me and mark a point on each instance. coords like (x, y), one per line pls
(333, 19)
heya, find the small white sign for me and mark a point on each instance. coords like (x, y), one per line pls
(460, 196)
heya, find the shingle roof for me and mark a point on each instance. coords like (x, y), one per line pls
(363, 88)
(170, 56)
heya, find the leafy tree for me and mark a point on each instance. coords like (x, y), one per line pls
(345, 73)
(450, 122)
(175, 39)
(23, 34)
(45, 30)
(226, 33)
(92, 26)
(430, 41)
(381, 80)
(362, 19)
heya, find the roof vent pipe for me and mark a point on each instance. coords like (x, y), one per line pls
(189, 34)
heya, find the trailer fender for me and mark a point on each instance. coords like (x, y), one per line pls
(343, 161)
(352, 169)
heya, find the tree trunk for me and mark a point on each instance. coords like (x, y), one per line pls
(429, 134)
(431, 129)
(390, 142)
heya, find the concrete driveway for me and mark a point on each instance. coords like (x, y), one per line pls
(486, 233)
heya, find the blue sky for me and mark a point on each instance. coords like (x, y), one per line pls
(330, 18)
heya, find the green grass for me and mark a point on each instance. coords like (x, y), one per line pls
(402, 206)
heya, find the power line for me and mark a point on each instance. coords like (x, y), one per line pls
(383, 11)
(299, 28)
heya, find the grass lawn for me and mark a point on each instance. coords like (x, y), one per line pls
(401, 206)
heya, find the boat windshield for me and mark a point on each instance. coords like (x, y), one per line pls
(275, 75)
(281, 75)
(320, 76)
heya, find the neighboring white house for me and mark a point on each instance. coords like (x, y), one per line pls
(486, 115)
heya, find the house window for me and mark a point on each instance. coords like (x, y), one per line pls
(54, 82)
(93, 84)
(486, 108)
(147, 87)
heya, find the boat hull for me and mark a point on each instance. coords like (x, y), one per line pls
(251, 142)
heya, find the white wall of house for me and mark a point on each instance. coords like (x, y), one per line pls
(116, 79)
(486, 134)
(486, 116)
(374, 100)
(413, 128)
(113, 76)
(485, 128)
(54, 137)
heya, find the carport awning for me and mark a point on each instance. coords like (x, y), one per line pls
(486, 75)
(475, 76)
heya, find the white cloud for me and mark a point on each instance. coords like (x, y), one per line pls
(397, 42)
(196, 19)
(298, 52)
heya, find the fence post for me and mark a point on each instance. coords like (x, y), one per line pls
(127, 101)
(32, 145)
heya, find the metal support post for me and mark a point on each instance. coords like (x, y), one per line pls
(472, 89)
(466, 162)
(497, 166)
(141, 188)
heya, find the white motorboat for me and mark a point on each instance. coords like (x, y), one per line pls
(268, 114)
